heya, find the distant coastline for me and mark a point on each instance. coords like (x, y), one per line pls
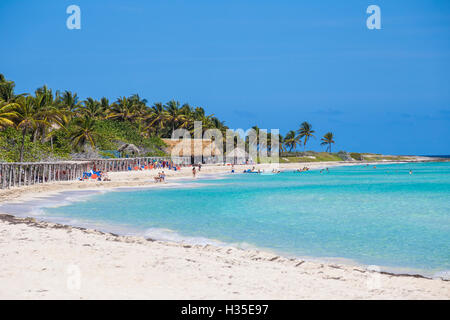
(438, 156)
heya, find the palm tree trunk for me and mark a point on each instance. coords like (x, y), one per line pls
(24, 132)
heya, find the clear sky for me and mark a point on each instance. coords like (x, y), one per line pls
(268, 63)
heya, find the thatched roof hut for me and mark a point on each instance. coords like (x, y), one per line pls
(237, 153)
(129, 147)
(192, 147)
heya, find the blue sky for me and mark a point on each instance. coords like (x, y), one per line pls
(268, 63)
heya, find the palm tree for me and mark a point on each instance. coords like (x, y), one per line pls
(7, 90)
(305, 132)
(291, 140)
(277, 139)
(92, 108)
(220, 125)
(122, 110)
(104, 104)
(27, 118)
(84, 133)
(70, 102)
(7, 114)
(199, 114)
(139, 108)
(327, 140)
(47, 110)
(155, 119)
(174, 113)
(257, 141)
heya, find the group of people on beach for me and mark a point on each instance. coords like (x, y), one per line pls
(253, 170)
(155, 164)
(161, 177)
(95, 175)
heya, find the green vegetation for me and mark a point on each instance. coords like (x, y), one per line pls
(305, 132)
(379, 157)
(52, 126)
(309, 156)
(291, 140)
(356, 156)
(327, 140)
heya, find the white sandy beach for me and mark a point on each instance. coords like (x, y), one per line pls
(42, 260)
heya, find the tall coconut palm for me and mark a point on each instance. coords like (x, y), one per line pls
(122, 110)
(70, 102)
(84, 133)
(174, 114)
(276, 139)
(7, 90)
(256, 143)
(220, 125)
(28, 118)
(139, 108)
(291, 140)
(187, 120)
(327, 140)
(45, 108)
(7, 114)
(305, 131)
(92, 108)
(155, 119)
(199, 114)
(104, 105)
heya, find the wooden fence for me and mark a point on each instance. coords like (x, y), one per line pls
(29, 173)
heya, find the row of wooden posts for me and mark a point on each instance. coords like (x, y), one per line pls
(28, 173)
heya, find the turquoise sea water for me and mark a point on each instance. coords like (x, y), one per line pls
(382, 216)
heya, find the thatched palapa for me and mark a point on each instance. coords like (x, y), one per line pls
(192, 148)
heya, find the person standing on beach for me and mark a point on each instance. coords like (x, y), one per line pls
(194, 172)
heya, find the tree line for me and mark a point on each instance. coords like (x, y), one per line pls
(62, 121)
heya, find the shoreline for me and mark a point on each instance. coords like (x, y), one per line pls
(174, 237)
(107, 262)
(122, 178)
(145, 178)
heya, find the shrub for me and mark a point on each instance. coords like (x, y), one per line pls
(356, 156)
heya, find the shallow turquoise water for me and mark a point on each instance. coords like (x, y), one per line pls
(382, 216)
